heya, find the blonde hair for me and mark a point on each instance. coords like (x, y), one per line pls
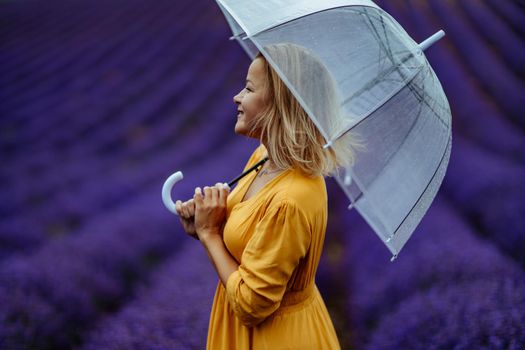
(291, 136)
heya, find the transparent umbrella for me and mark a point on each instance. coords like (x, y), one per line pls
(359, 75)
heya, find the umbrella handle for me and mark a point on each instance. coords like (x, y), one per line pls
(166, 191)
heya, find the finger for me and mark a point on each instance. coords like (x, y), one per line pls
(219, 186)
(207, 192)
(223, 195)
(191, 207)
(185, 211)
(198, 198)
(225, 186)
(178, 207)
(215, 195)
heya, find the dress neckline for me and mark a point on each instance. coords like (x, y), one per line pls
(263, 189)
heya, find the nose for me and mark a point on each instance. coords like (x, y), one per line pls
(237, 98)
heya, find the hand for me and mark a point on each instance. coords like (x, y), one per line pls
(186, 213)
(210, 210)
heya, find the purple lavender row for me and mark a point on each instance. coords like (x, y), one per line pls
(57, 108)
(114, 136)
(173, 311)
(27, 24)
(48, 299)
(110, 144)
(67, 209)
(489, 190)
(85, 104)
(32, 20)
(498, 33)
(83, 36)
(143, 109)
(486, 314)
(76, 77)
(225, 101)
(506, 88)
(474, 116)
(48, 62)
(115, 144)
(513, 12)
(119, 92)
(444, 251)
(332, 285)
(82, 168)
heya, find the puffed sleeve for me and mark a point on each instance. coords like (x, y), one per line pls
(281, 239)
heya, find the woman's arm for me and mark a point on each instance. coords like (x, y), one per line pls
(210, 215)
(281, 239)
(221, 259)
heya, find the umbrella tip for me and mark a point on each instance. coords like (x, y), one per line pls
(431, 40)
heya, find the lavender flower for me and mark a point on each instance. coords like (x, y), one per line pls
(80, 278)
(487, 314)
(172, 311)
(489, 190)
(443, 251)
(492, 73)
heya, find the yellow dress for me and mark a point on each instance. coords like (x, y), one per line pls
(271, 301)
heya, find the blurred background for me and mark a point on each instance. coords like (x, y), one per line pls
(101, 100)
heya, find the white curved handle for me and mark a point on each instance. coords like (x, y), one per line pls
(166, 191)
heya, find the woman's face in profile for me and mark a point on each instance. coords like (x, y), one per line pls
(251, 100)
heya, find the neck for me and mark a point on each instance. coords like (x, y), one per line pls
(269, 165)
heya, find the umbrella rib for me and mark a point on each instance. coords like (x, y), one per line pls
(409, 86)
(389, 51)
(426, 187)
(420, 95)
(387, 43)
(358, 197)
(390, 157)
(375, 108)
(373, 82)
(395, 67)
(381, 76)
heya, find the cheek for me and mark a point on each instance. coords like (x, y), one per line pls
(249, 106)
(257, 106)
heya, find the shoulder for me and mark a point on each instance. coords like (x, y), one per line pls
(307, 194)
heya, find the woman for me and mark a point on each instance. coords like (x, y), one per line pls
(265, 238)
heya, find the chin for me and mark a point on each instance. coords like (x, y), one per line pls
(240, 129)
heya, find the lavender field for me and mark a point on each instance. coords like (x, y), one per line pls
(101, 100)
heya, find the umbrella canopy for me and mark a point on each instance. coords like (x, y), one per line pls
(357, 73)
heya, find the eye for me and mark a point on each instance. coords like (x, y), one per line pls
(247, 88)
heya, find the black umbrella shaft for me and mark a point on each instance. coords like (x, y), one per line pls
(259, 164)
